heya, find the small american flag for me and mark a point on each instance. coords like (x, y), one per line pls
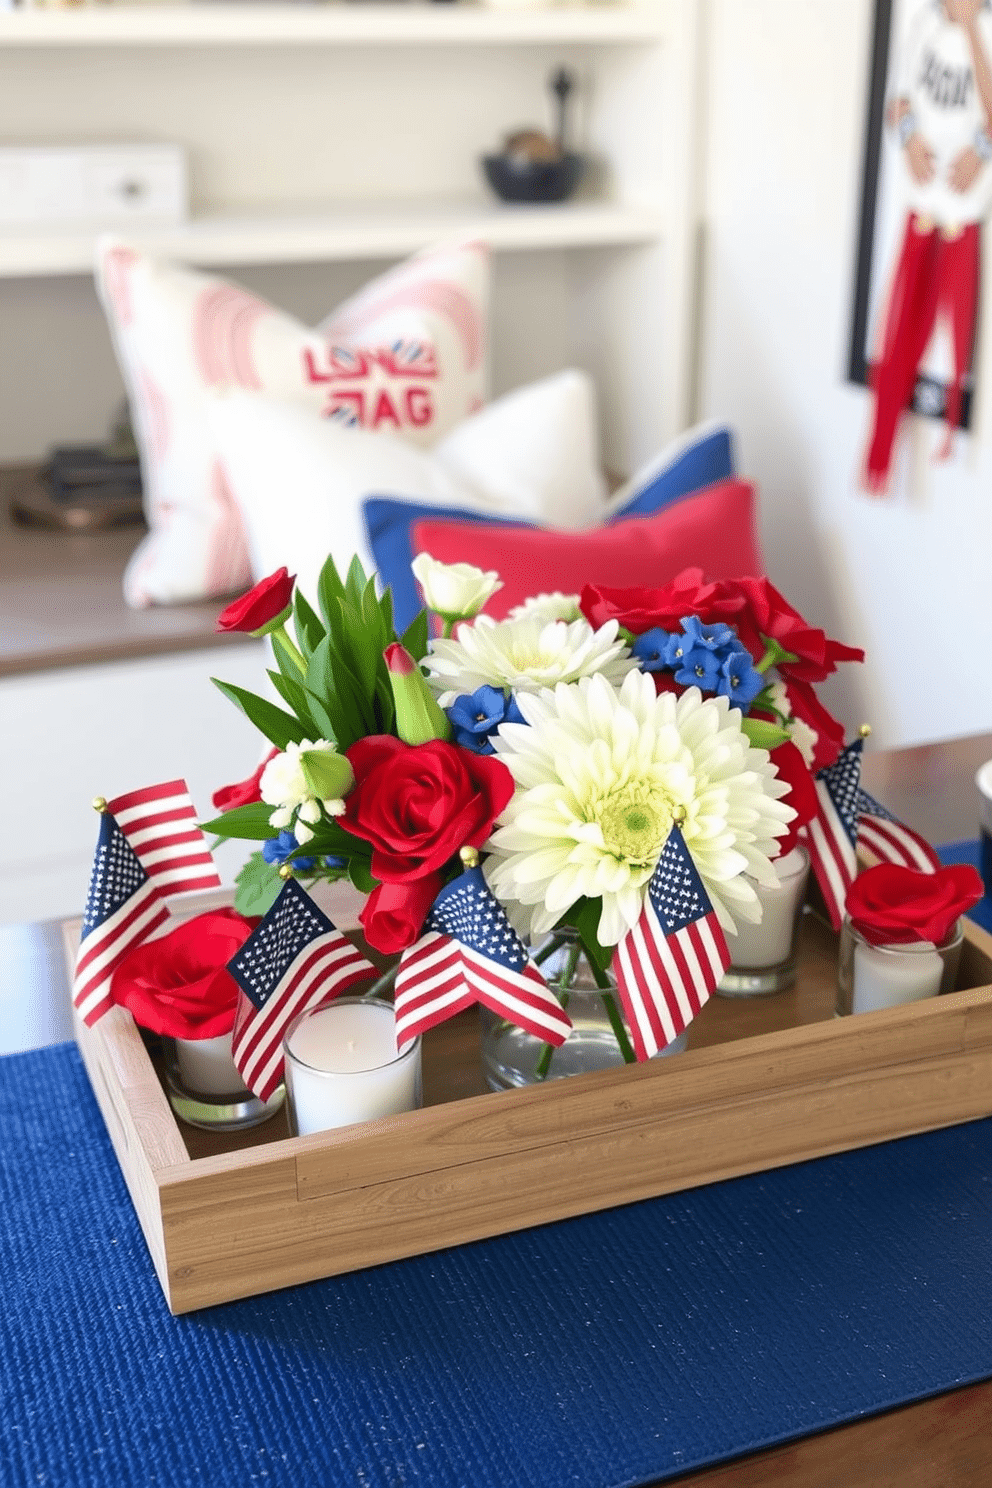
(832, 835)
(124, 907)
(471, 953)
(294, 960)
(160, 824)
(667, 966)
(890, 840)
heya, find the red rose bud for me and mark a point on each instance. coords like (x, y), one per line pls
(393, 915)
(263, 608)
(419, 718)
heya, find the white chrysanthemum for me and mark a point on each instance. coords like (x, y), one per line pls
(284, 785)
(454, 590)
(600, 776)
(545, 607)
(524, 655)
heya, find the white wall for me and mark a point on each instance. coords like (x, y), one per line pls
(909, 578)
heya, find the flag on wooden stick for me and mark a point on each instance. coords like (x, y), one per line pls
(470, 953)
(890, 840)
(669, 963)
(832, 835)
(160, 824)
(124, 908)
(294, 960)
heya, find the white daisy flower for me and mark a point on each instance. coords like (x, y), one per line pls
(524, 656)
(600, 776)
(545, 607)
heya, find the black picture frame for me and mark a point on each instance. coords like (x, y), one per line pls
(930, 392)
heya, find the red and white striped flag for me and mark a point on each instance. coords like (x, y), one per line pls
(832, 835)
(890, 840)
(470, 953)
(123, 909)
(160, 824)
(667, 966)
(294, 960)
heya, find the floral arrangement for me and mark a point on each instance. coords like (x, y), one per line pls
(561, 747)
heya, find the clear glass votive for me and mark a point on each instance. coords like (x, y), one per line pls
(343, 1066)
(870, 977)
(205, 1088)
(763, 957)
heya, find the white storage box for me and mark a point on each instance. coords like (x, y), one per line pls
(98, 184)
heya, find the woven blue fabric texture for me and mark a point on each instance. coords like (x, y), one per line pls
(610, 1350)
(967, 852)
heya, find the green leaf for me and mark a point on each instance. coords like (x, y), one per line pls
(250, 822)
(258, 886)
(763, 735)
(415, 638)
(321, 717)
(355, 583)
(330, 590)
(298, 699)
(361, 877)
(278, 727)
(286, 656)
(309, 630)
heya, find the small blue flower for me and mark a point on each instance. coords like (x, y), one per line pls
(476, 716)
(698, 667)
(649, 649)
(278, 849)
(711, 637)
(738, 679)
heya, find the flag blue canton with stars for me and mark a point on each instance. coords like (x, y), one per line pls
(117, 875)
(676, 889)
(843, 782)
(289, 927)
(467, 911)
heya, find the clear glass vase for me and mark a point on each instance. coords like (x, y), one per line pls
(600, 1038)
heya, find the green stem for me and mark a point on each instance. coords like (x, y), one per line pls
(561, 985)
(612, 1011)
(281, 642)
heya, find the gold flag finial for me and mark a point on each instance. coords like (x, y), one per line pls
(100, 804)
(864, 732)
(679, 814)
(285, 870)
(469, 856)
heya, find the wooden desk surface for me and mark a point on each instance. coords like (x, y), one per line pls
(61, 602)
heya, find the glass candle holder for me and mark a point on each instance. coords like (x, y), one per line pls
(343, 1066)
(205, 1088)
(870, 977)
(763, 957)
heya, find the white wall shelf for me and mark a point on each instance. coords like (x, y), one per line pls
(334, 22)
(341, 234)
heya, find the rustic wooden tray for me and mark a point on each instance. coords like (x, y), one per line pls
(764, 1082)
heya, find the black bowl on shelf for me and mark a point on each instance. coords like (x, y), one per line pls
(516, 179)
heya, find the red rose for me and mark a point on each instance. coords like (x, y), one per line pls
(262, 608)
(243, 792)
(178, 985)
(419, 803)
(893, 905)
(394, 913)
(642, 609)
(766, 613)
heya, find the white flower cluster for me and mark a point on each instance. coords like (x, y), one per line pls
(284, 785)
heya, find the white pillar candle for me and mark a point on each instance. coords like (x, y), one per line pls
(769, 943)
(206, 1066)
(342, 1066)
(886, 976)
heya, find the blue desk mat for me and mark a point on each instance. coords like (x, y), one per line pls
(610, 1350)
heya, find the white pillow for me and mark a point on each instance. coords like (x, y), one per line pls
(406, 354)
(300, 481)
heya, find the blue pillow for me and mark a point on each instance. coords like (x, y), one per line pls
(708, 459)
(389, 522)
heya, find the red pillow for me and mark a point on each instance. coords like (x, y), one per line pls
(713, 529)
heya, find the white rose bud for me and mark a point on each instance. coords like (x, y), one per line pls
(455, 591)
